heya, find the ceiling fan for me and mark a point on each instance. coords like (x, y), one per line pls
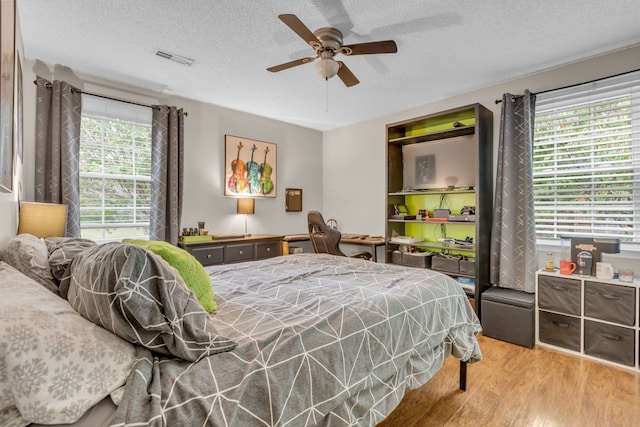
(327, 42)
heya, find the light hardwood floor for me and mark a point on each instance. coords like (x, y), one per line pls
(517, 386)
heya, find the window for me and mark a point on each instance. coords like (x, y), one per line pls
(115, 169)
(586, 160)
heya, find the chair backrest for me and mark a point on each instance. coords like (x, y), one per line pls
(325, 239)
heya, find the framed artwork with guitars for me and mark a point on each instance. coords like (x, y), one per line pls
(250, 167)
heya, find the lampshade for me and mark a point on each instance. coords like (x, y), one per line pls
(246, 206)
(42, 219)
(327, 68)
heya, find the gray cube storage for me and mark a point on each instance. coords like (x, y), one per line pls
(589, 316)
(508, 315)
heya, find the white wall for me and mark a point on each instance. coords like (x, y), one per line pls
(354, 156)
(299, 156)
(354, 160)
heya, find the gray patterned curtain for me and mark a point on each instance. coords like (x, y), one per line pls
(167, 154)
(514, 258)
(57, 180)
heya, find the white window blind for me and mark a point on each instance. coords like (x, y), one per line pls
(115, 169)
(586, 160)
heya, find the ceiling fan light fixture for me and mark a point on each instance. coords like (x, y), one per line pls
(326, 43)
(327, 68)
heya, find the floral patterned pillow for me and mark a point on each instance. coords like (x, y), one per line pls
(29, 255)
(54, 364)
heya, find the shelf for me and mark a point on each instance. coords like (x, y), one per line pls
(434, 191)
(449, 273)
(433, 136)
(438, 245)
(447, 246)
(426, 221)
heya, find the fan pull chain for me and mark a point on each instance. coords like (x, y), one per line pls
(327, 101)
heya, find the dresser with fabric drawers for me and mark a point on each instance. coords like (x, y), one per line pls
(590, 317)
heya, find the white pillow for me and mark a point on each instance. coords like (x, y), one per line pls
(54, 364)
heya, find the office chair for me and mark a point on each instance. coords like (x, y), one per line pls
(326, 240)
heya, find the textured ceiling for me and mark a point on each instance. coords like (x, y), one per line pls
(445, 47)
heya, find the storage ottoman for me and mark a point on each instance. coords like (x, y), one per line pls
(508, 315)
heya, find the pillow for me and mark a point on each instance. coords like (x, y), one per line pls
(62, 249)
(28, 254)
(54, 364)
(192, 272)
(138, 296)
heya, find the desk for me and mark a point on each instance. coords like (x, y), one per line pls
(348, 239)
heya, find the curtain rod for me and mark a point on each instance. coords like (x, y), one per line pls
(498, 101)
(48, 85)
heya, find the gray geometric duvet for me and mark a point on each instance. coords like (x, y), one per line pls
(322, 340)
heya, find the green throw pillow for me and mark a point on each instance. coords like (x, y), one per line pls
(192, 272)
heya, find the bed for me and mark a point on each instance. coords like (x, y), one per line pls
(298, 340)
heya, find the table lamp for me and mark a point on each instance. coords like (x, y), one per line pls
(246, 206)
(42, 219)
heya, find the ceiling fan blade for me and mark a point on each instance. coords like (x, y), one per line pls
(346, 75)
(299, 28)
(386, 46)
(291, 64)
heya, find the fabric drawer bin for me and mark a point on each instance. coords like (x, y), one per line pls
(609, 342)
(416, 260)
(237, 253)
(609, 302)
(507, 315)
(559, 330)
(450, 265)
(396, 257)
(559, 294)
(208, 255)
(468, 266)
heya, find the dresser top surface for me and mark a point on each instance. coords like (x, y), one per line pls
(235, 238)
